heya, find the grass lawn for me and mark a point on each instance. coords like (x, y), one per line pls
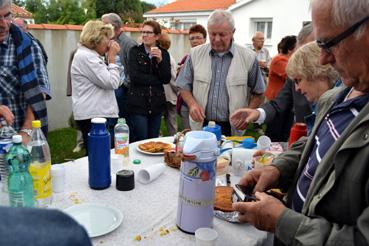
(62, 141)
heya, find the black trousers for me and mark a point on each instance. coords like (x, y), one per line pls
(85, 127)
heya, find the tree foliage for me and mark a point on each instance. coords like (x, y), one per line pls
(80, 11)
(20, 3)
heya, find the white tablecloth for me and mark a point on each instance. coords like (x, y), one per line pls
(147, 208)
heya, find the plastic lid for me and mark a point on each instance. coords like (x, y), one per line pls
(98, 120)
(248, 143)
(137, 162)
(36, 124)
(264, 142)
(211, 124)
(122, 121)
(17, 139)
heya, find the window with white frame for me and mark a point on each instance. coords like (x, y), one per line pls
(265, 26)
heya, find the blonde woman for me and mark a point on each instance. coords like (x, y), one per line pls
(311, 78)
(93, 82)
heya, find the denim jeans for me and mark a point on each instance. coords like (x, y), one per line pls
(40, 227)
(144, 127)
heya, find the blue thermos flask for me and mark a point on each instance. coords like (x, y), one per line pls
(99, 176)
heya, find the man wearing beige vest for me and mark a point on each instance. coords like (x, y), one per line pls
(220, 77)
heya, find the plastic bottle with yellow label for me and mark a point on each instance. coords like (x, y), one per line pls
(40, 165)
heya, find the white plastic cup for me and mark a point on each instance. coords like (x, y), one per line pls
(150, 173)
(206, 236)
(116, 162)
(241, 160)
(58, 177)
(264, 143)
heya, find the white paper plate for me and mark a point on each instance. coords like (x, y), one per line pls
(150, 153)
(97, 219)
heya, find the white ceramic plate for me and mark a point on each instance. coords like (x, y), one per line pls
(97, 219)
(150, 153)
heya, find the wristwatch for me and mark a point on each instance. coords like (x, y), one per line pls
(26, 131)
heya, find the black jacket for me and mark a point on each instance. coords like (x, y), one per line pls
(287, 106)
(146, 92)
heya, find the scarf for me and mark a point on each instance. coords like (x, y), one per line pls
(28, 76)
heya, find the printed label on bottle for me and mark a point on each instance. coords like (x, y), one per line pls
(16, 199)
(41, 179)
(121, 144)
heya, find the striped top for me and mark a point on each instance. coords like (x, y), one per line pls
(330, 130)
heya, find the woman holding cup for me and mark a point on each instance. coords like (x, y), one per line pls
(149, 70)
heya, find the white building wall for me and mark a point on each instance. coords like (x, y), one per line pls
(287, 17)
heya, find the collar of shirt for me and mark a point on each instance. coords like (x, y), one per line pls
(6, 41)
(230, 51)
(358, 102)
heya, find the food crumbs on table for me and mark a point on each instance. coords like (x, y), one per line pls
(73, 197)
(163, 231)
(174, 228)
(137, 238)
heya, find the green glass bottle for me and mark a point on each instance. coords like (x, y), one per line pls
(20, 185)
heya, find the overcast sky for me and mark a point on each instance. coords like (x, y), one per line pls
(157, 2)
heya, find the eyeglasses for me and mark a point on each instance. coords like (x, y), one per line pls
(195, 38)
(148, 33)
(8, 16)
(326, 46)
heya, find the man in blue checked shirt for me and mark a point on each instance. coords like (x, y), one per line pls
(24, 83)
(326, 176)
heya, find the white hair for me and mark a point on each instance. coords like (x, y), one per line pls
(114, 19)
(219, 16)
(345, 13)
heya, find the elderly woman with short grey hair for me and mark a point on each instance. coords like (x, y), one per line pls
(93, 82)
(311, 78)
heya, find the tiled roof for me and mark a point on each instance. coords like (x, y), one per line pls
(192, 6)
(79, 28)
(20, 12)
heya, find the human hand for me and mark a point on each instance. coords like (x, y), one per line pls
(243, 116)
(156, 52)
(7, 114)
(262, 64)
(114, 49)
(261, 179)
(196, 112)
(263, 213)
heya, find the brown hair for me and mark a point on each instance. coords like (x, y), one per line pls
(164, 41)
(198, 29)
(155, 26)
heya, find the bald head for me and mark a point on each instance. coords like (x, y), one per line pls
(258, 35)
(258, 40)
